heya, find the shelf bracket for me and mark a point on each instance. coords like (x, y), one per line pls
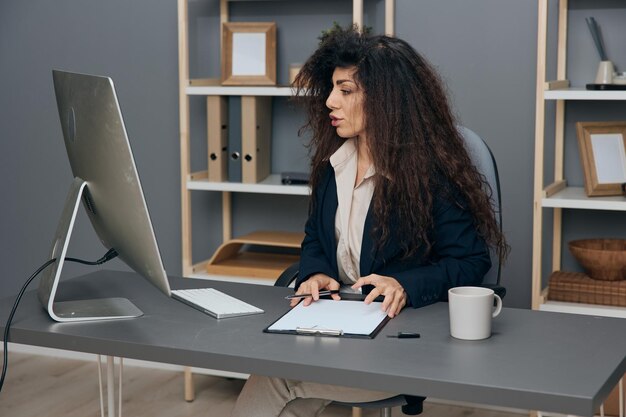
(554, 188)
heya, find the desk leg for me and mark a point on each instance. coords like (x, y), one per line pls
(357, 412)
(189, 389)
(110, 384)
(622, 406)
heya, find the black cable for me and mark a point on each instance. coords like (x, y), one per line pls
(6, 329)
(112, 253)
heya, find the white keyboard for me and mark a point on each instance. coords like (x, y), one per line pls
(215, 303)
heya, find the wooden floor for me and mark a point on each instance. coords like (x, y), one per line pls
(41, 386)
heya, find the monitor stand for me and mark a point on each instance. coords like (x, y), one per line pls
(80, 310)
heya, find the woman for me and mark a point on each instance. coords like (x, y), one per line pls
(397, 210)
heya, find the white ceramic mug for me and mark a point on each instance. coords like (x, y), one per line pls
(471, 311)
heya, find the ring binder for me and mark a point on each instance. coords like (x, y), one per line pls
(217, 134)
(234, 140)
(256, 131)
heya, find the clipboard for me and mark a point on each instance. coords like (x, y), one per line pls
(342, 318)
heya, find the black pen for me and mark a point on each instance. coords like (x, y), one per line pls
(325, 292)
(405, 335)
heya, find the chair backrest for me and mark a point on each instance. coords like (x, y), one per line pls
(486, 164)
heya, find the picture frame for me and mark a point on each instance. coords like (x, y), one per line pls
(249, 53)
(602, 147)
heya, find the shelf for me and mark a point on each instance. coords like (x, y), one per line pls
(270, 185)
(586, 309)
(558, 195)
(231, 278)
(218, 90)
(575, 198)
(574, 93)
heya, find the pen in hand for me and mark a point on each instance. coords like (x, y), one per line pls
(321, 293)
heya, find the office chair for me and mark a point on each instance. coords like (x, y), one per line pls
(486, 164)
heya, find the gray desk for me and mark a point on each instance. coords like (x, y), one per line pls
(534, 360)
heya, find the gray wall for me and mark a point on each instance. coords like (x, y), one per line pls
(485, 50)
(134, 42)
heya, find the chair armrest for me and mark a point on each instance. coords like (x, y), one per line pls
(288, 275)
(498, 289)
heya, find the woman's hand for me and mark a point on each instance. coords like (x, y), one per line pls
(388, 287)
(313, 285)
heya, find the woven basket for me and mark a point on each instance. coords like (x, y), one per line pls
(603, 259)
(576, 287)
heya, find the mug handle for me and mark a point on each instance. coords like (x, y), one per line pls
(498, 305)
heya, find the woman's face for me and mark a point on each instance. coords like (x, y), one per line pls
(346, 104)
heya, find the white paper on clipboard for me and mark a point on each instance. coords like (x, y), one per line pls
(348, 317)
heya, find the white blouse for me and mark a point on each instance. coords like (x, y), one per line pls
(354, 201)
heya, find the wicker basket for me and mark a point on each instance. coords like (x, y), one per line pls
(602, 259)
(576, 287)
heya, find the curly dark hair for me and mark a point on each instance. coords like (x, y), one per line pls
(411, 133)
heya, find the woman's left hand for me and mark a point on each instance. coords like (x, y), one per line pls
(388, 287)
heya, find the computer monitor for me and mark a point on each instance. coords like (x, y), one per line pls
(107, 182)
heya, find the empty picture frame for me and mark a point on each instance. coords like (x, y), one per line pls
(602, 147)
(249, 53)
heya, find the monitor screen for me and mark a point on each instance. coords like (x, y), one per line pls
(107, 183)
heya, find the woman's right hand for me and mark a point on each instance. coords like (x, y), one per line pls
(313, 285)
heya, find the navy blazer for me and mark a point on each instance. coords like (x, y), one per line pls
(459, 256)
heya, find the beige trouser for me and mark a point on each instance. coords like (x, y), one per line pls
(263, 396)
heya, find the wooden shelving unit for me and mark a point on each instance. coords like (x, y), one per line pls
(558, 195)
(242, 267)
(199, 181)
